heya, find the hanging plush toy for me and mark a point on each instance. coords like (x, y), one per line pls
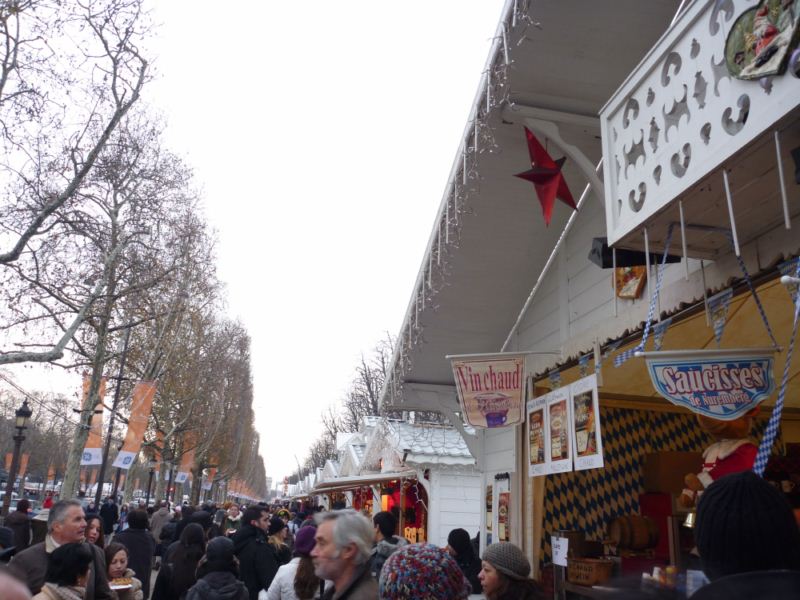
(733, 452)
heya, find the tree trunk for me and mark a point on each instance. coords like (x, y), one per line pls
(197, 481)
(69, 487)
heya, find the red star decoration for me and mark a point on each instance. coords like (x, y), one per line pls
(545, 174)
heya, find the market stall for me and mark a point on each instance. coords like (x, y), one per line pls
(542, 310)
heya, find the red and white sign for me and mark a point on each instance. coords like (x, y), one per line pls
(491, 388)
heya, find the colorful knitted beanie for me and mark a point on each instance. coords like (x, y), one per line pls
(422, 572)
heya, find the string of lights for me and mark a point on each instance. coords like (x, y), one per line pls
(465, 179)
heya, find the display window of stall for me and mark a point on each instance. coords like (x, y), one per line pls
(362, 500)
(337, 500)
(652, 457)
(408, 501)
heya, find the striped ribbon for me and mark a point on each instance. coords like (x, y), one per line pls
(620, 359)
(583, 363)
(555, 379)
(659, 330)
(771, 431)
(755, 295)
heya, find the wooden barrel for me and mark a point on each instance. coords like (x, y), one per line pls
(633, 532)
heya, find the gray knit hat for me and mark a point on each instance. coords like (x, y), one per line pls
(508, 559)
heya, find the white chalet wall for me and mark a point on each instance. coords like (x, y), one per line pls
(455, 501)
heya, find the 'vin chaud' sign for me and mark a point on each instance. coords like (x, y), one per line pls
(491, 388)
(722, 384)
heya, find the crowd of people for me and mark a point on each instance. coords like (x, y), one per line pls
(263, 553)
(247, 553)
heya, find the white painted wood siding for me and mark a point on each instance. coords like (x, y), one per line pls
(455, 502)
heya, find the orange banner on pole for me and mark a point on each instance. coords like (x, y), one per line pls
(9, 457)
(23, 465)
(141, 406)
(93, 478)
(187, 459)
(92, 452)
(51, 473)
(210, 478)
(158, 449)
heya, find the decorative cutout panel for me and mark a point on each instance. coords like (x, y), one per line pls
(681, 115)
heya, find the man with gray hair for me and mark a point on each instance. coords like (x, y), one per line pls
(66, 524)
(342, 555)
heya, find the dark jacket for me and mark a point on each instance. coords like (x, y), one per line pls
(141, 549)
(470, 567)
(167, 535)
(157, 522)
(383, 550)
(33, 563)
(219, 585)
(363, 586)
(109, 514)
(177, 574)
(257, 561)
(20, 524)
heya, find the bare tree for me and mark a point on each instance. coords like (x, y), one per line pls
(69, 74)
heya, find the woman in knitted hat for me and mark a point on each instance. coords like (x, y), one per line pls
(504, 574)
(217, 574)
(276, 536)
(296, 580)
(422, 572)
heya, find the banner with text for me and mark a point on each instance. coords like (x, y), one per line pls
(491, 388)
(209, 480)
(721, 384)
(141, 406)
(93, 451)
(187, 459)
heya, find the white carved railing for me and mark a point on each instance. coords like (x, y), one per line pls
(680, 115)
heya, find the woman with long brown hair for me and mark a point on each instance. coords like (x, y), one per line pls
(94, 531)
(276, 537)
(504, 574)
(296, 580)
(124, 583)
(179, 570)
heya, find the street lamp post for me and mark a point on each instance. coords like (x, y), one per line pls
(152, 464)
(22, 414)
(167, 456)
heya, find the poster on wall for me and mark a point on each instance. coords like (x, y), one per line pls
(586, 441)
(558, 451)
(491, 388)
(537, 436)
(503, 524)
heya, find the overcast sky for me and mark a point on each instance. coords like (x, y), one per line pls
(322, 134)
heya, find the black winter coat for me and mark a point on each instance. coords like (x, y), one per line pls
(109, 515)
(219, 585)
(20, 524)
(141, 549)
(257, 561)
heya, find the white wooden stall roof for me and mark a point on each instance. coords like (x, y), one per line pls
(571, 63)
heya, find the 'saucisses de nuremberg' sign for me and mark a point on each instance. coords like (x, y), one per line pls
(722, 384)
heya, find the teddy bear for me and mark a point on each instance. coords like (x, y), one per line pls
(733, 452)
